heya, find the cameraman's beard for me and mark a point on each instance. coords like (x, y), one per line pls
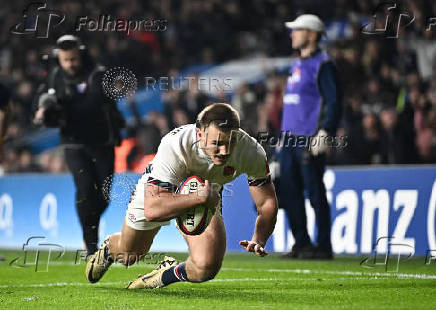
(73, 72)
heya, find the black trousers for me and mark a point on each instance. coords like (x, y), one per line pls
(300, 172)
(92, 167)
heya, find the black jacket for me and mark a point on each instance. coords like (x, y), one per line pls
(87, 115)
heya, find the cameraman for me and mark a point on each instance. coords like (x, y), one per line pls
(89, 124)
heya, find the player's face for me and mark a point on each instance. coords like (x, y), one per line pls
(300, 38)
(70, 61)
(217, 144)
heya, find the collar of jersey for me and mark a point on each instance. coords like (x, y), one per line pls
(312, 54)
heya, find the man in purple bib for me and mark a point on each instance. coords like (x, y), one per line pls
(311, 113)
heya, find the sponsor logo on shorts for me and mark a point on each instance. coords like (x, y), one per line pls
(132, 218)
(149, 168)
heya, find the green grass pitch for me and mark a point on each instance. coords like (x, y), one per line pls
(245, 282)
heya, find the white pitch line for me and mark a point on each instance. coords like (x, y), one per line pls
(294, 279)
(343, 273)
(354, 275)
(82, 263)
(43, 265)
(299, 271)
(57, 284)
(60, 284)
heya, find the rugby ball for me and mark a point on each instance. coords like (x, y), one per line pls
(194, 221)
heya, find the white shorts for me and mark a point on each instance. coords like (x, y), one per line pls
(135, 216)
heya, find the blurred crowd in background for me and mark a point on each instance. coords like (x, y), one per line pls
(390, 83)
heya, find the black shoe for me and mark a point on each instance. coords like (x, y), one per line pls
(290, 255)
(323, 254)
(304, 252)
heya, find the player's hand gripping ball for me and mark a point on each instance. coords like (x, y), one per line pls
(195, 220)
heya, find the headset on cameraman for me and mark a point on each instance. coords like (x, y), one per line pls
(46, 94)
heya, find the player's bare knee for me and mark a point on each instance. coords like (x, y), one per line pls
(210, 274)
(202, 275)
(205, 271)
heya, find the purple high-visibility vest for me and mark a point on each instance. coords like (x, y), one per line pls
(302, 100)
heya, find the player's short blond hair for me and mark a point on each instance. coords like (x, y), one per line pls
(222, 115)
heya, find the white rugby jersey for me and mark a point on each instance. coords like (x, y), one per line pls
(179, 155)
